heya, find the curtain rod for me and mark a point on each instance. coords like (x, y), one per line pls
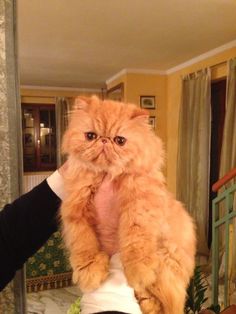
(209, 67)
(218, 64)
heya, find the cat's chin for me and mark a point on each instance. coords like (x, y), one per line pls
(102, 160)
(112, 170)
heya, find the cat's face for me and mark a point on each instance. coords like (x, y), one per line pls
(110, 136)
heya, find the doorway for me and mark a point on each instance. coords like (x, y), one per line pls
(218, 101)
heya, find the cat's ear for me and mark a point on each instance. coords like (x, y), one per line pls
(81, 103)
(140, 113)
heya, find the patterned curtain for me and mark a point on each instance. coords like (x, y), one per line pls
(194, 152)
(63, 107)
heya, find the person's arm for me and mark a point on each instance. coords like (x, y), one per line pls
(26, 224)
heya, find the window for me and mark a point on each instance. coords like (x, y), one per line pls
(39, 137)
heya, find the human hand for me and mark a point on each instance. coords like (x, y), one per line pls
(63, 168)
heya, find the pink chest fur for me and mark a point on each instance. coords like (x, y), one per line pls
(107, 213)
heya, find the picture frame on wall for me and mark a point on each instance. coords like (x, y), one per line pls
(147, 102)
(152, 121)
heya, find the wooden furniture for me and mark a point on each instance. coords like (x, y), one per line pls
(230, 310)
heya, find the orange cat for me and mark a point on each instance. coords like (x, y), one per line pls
(156, 236)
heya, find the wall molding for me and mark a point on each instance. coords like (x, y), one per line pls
(116, 76)
(202, 57)
(134, 71)
(56, 88)
(178, 67)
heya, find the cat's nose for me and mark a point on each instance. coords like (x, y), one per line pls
(104, 140)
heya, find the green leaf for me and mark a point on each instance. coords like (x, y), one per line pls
(196, 292)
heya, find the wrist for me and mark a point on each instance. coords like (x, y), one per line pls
(55, 182)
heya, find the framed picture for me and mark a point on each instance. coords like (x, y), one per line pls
(152, 121)
(147, 102)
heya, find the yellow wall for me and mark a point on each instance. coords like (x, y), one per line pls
(167, 89)
(173, 101)
(153, 85)
(119, 80)
(139, 84)
(136, 85)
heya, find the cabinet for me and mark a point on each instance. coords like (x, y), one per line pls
(39, 137)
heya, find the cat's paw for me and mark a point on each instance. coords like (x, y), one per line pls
(151, 306)
(142, 273)
(148, 303)
(92, 276)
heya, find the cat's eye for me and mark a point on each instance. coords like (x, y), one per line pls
(90, 136)
(120, 140)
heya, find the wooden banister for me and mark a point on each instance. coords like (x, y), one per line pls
(226, 178)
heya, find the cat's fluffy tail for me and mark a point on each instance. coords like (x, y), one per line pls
(170, 289)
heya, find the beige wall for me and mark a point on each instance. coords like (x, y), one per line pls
(219, 70)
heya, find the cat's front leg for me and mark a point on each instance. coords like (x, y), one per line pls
(138, 242)
(137, 238)
(138, 255)
(148, 303)
(138, 248)
(90, 265)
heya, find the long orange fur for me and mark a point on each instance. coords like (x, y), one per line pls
(156, 236)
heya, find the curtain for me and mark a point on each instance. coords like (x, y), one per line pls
(63, 107)
(194, 151)
(228, 151)
(228, 161)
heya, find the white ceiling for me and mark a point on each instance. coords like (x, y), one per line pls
(82, 43)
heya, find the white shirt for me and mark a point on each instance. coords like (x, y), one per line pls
(113, 295)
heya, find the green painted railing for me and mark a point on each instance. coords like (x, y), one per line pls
(224, 217)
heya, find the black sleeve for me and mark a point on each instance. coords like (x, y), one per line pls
(25, 225)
